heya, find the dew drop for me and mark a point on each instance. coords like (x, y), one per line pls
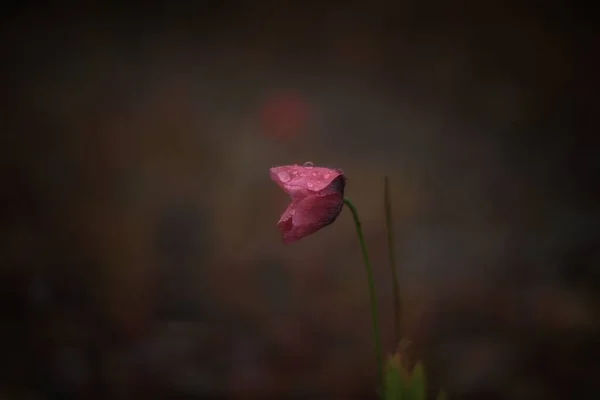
(309, 184)
(284, 177)
(309, 164)
(326, 176)
(315, 174)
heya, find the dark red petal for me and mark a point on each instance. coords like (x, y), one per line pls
(309, 214)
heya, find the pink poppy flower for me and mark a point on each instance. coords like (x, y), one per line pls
(317, 198)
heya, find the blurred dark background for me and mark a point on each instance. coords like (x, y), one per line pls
(139, 252)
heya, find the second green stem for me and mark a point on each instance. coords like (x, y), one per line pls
(392, 253)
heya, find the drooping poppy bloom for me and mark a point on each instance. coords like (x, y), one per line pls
(317, 198)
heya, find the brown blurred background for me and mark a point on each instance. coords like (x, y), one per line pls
(140, 256)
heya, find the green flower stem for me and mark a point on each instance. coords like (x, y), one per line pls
(392, 256)
(371, 280)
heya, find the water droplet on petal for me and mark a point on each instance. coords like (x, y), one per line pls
(309, 184)
(308, 164)
(326, 176)
(315, 174)
(284, 177)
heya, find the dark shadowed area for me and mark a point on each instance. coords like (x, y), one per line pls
(140, 257)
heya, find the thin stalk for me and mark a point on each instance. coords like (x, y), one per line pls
(371, 281)
(392, 256)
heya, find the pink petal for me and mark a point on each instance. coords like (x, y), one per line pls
(300, 180)
(309, 214)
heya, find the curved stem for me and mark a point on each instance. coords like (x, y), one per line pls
(392, 254)
(371, 281)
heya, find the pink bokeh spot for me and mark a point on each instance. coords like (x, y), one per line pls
(284, 116)
(317, 198)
